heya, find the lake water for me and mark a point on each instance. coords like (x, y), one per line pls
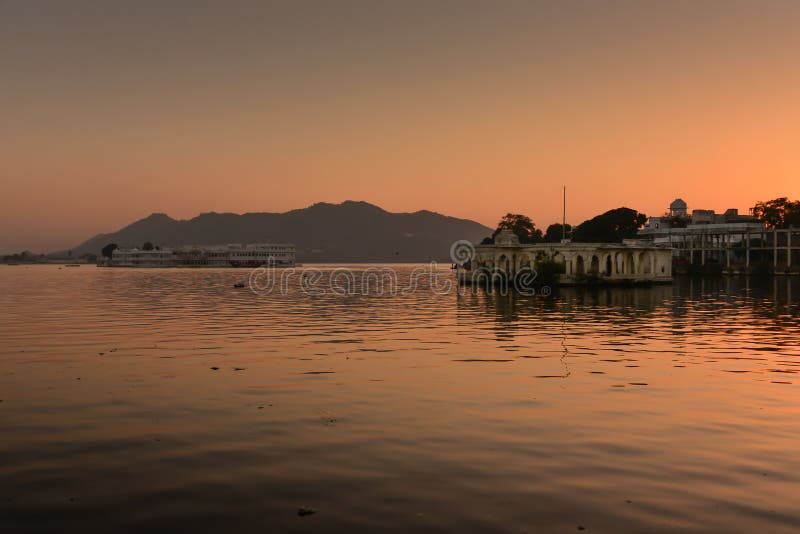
(136, 399)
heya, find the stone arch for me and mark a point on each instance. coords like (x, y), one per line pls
(629, 266)
(609, 266)
(579, 267)
(594, 267)
(504, 263)
(525, 260)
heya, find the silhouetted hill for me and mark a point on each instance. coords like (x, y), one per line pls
(350, 231)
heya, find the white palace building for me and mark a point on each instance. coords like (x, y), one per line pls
(730, 240)
(235, 255)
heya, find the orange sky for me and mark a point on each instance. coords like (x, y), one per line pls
(111, 112)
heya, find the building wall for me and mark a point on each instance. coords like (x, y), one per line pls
(581, 261)
(229, 256)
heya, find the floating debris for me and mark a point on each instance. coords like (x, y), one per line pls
(638, 383)
(215, 368)
(305, 510)
(238, 285)
(319, 372)
(239, 368)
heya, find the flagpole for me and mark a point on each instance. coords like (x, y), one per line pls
(564, 217)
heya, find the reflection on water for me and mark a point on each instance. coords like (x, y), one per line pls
(145, 398)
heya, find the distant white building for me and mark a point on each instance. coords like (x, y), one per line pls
(677, 224)
(233, 255)
(727, 240)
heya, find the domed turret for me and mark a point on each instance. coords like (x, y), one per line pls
(677, 208)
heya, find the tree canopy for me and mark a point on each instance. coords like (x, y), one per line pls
(778, 213)
(109, 249)
(522, 226)
(555, 233)
(611, 227)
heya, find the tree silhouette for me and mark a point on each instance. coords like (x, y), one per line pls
(147, 246)
(109, 249)
(778, 213)
(521, 225)
(555, 233)
(611, 227)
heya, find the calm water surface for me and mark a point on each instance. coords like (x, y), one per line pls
(672, 408)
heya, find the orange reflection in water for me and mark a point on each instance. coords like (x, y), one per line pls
(664, 408)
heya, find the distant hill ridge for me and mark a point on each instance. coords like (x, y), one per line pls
(351, 231)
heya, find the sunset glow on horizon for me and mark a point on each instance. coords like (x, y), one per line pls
(113, 111)
(299, 265)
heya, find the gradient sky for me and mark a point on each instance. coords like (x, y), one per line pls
(111, 110)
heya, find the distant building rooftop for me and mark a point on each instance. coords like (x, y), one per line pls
(679, 220)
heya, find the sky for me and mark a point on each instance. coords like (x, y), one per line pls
(112, 110)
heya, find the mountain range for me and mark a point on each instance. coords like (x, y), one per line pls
(350, 231)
